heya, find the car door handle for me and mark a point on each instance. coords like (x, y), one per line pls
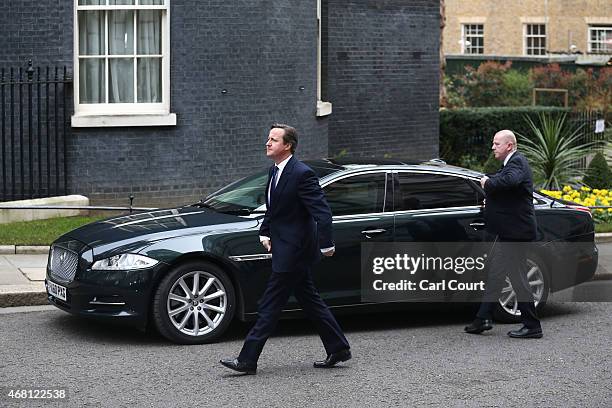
(477, 225)
(367, 233)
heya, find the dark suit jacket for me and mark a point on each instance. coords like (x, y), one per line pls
(509, 211)
(298, 219)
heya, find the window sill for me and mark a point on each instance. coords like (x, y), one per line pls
(124, 120)
(324, 108)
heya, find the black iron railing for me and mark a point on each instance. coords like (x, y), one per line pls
(34, 114)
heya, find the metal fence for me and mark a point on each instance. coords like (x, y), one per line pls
(587, 121)
(34, 104)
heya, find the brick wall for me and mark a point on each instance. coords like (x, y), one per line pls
(40, 30)
(567, 23)
(382, 77)
(263, 53)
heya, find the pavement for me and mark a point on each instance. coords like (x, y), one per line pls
(23, 269)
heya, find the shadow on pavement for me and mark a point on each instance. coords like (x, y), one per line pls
(415, 316)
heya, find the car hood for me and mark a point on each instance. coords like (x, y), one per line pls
(157, 225)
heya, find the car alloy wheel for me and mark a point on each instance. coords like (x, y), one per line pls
(507, 310)
(194, 303)
(197, 303)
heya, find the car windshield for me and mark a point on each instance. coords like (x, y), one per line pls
(244, 195)
(247, 194)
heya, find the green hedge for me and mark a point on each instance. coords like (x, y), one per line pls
(467, 133)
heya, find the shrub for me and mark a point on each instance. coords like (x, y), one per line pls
(455, 97)
(481, 86)
(496, 84)
(553, 148)
(470, 161)
(589, 198)
(587, 90)
(549, 76)
(491, 84)
(598, 174)
(516, 89)
(471, 130)
(491, 165)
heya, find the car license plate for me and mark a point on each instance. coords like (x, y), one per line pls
(56, 290)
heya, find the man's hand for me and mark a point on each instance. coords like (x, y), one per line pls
(267, 244)
(331, 252)
(483, 180)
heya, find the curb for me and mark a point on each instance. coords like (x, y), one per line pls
(23, 295)
(603, 237)
(24, 249)
(31, 250)
(23, 299)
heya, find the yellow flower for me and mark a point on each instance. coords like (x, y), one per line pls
(585, 188)
(567, 189)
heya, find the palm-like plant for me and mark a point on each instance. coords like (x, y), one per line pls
(554, 149)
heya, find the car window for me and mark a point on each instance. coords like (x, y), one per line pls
(247, 193)
(360, 194)
(423, 190)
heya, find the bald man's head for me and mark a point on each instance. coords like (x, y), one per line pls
(504, 143)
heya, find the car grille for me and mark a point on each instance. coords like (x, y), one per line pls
(63, 264)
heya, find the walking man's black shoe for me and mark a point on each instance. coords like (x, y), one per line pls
(334, 358)
(478, 326)
(526, 333)
(236, 365)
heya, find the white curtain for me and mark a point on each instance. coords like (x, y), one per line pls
(149, 69)
(121, 70)
(121, 53)
(91, 70)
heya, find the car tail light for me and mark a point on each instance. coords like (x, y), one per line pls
(581, 208)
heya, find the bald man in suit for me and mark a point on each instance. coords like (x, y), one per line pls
(510, 216)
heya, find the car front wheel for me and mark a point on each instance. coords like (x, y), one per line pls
(506, 310)
(194, 303)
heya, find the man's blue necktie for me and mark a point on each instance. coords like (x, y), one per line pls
(273, 185)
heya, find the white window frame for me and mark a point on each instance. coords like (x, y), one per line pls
(526, 49)
(323, 108)
(602, 48)
(124, 114)
(468, 49)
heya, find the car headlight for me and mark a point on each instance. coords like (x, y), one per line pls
(124, 262)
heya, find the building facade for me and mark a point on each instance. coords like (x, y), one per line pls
(530, 28)
(171, 100)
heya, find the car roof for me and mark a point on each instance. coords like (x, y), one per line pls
(330, 166)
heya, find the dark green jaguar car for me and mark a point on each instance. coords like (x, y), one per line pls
(189, 271)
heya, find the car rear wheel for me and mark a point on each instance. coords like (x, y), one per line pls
(194, 303)
(506, 310)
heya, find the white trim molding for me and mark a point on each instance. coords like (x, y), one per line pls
(324, 108)
(103, 113)
(534, 20)
(472, 20)
(123, 120)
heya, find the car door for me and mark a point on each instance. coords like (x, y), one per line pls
(435, 208)
(360, 206)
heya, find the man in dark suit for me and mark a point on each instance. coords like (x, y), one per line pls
(297, 229)
(510, 216)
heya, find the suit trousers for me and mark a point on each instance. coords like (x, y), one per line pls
(508, 258)
(280, 286)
